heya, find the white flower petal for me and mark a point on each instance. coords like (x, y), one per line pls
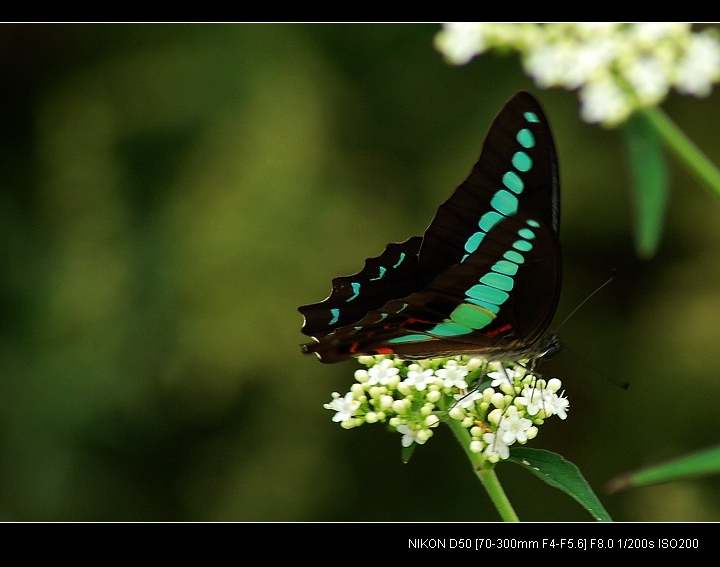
(459, 42)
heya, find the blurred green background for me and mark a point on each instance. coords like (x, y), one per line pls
(170, 194)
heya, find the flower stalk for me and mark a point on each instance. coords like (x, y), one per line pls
(485, 472)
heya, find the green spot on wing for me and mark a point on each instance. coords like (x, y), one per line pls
(380, 275)
(489, 220)
(522, 245)
(471, 316)
(505, 267)
(484, 304)
(410, 339)
(522, 161)
(526, 233)
(474, 241)
(513, 256)
(487, 293)
(505, 203)
(512, 181)
(499, 281)
(356, 290)
(450, 329)
(526, 138)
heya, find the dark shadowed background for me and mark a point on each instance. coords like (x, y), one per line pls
(170, 194)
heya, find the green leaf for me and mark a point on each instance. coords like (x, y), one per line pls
(682, 147)
(406, 452)
(694, 464)
(562, 474)
(650, 182)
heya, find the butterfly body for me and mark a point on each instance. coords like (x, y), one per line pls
(484, 279)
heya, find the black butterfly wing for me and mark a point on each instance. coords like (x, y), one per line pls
(456, 225)
(453, 315)
(394, 273)
(487, 276)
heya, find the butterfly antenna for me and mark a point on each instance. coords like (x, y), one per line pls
(584, 301)
(622, 384)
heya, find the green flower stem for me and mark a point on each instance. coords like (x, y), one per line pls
(485, 471)
(676, 140)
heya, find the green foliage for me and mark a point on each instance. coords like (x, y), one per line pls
(561, 474)
(650, 183)
(705, 462)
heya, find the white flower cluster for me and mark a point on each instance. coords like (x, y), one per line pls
(498, 404)
(616, 67)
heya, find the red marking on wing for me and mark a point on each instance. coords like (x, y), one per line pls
(499, 330)
(384, 350)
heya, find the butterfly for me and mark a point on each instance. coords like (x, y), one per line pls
(485, 277)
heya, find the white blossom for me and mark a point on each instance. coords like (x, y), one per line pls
(443, 389)
(467, 401)
(699, 68)
(344, 406)
(410, 436)
(649, 77)
(496, 446)
(559, 405)
(616, 68)
(513, 428)
(453, 375)
(382, 373)
(460, 41)
(505, 375)
(604, 101)
(420, 379)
